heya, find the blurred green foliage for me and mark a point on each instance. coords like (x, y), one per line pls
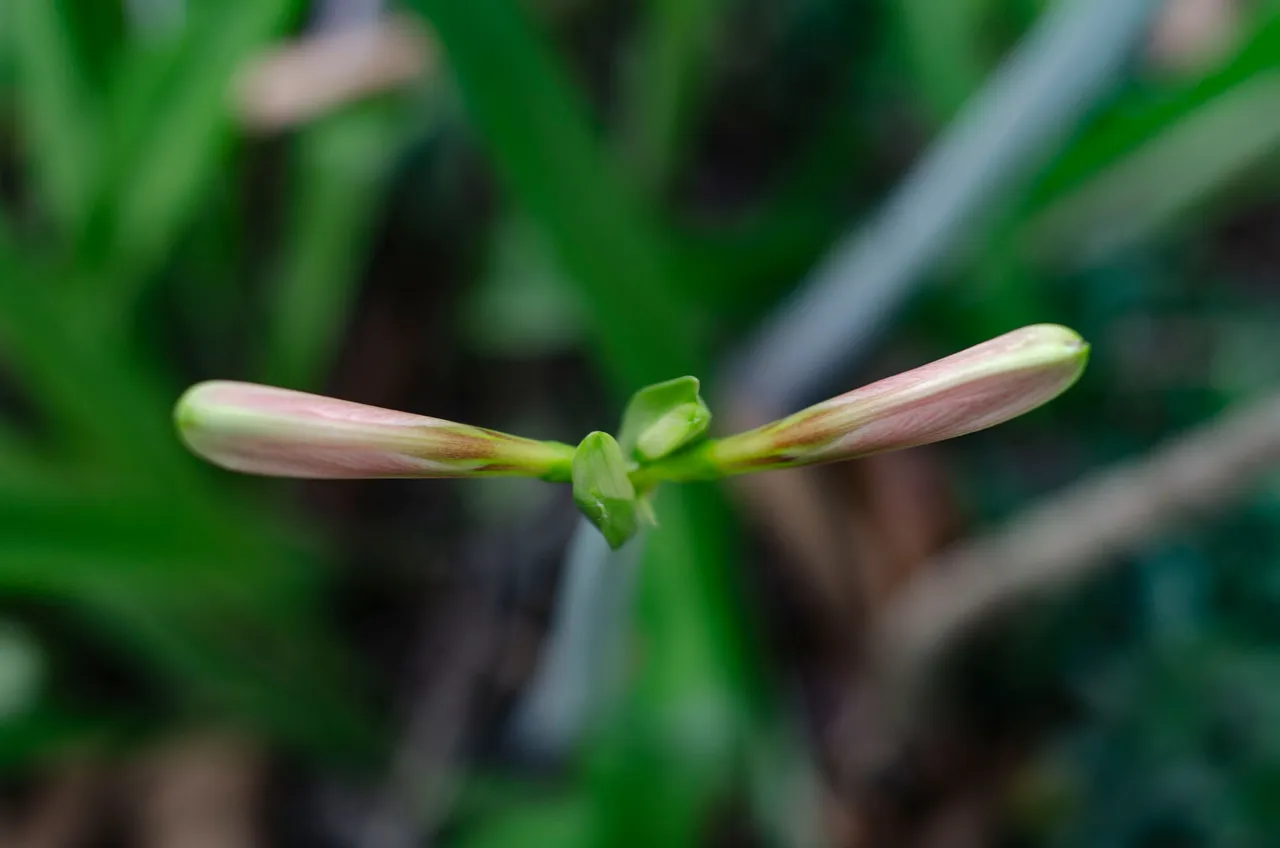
(660, 214)
(122, 135)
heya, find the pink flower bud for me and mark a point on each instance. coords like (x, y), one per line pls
(265, 430)
(969, 391)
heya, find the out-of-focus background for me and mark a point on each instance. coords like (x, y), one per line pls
(513, 213)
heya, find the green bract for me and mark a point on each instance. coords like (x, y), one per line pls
(264, 430)
(602, 488)
(663, 418)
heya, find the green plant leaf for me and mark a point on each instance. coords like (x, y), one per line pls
(341, 168)
(944, 42)
(604, 237)
(522, 305)
(56, 108)
(1186, 163)
(166, 145)
(674, 47)
(1139, 119)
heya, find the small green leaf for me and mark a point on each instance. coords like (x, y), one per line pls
(663, 418)
(602, 490)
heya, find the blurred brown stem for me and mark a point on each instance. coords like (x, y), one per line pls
(201, 791)
(63, 813)
(1070, 534)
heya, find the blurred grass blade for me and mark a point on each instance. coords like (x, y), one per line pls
(522, 304)
(553, 822)
(167, 145)
(255, 669)
(178, 542)
(1011, 127)
(23, 463)
(944, 42)
(81, 395)
(697, 699)
(88, 521)
(39, 737)
(57, 108)
(123, 528)
(675, 46)
(1135, 120)
(1182, 166)
(340, 169)
(222, 620)
(584, 666)
(538, 132)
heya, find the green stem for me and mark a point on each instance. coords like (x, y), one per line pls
(693, 464)
(561, 470)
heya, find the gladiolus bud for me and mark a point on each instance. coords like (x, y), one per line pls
(265, 430)
(969, 391)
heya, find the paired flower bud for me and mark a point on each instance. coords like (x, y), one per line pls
(283, 433)
(263, 430)
(977, 388)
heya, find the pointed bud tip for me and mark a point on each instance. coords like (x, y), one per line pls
(1045, 346)
(198, 413)
(1058, 355)
(1050, 341)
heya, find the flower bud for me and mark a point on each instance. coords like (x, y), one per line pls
(969, 391)
(264, 430)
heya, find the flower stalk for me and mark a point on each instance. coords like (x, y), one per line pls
(264, 430)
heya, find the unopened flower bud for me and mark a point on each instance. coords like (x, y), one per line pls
(264, 430)
(969, 391)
